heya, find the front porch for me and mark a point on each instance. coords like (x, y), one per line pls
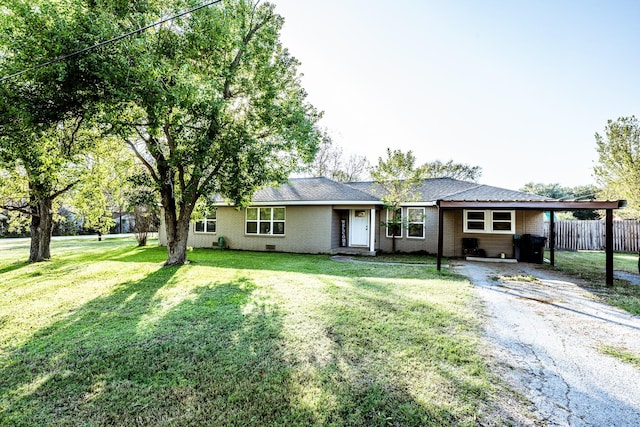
(354, 231)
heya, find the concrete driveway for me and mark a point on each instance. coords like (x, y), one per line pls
(546, 337)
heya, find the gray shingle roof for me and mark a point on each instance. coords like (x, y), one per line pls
(324, 190)
(433, 189)
(312, 190)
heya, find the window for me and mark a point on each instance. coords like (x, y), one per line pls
(206, 225)
(394, 222)
(499, 222)
(266, 221)
(415, 222)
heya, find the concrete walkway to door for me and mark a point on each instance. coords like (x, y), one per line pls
(547, 338)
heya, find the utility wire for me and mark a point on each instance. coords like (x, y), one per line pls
(113, 40)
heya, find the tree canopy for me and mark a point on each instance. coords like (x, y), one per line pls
(213, 105)
(331, 162)
(461, 171)
(618, 165)
(45, 112)
(556, 191)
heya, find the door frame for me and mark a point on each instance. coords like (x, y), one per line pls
(364, 230)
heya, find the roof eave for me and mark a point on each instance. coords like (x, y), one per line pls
(533, 204)
(308, 203)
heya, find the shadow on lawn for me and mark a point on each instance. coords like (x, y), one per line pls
(280, 261)
(403, 348)
(12, 267)
(217, 356)
(125, 360)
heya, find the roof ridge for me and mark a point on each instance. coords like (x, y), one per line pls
(455, 193)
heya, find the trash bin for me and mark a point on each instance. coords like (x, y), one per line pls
(532, 248)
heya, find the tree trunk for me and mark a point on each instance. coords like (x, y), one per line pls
(41, 226)
(177, 228)
(177, 248)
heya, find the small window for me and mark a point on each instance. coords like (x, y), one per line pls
(499, 222)
(206, 225)
(394, 222)
(265, 221)
(415, 222)
(502, 221)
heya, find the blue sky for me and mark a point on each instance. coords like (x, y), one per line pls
(516, 87)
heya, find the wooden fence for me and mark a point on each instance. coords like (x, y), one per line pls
(590, 235)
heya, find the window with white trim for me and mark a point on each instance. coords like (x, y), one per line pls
(488, 221)
(394, 222)
(206, 224)
(265, 221)
(415, 223)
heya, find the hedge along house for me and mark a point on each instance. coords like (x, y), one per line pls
(318, 215)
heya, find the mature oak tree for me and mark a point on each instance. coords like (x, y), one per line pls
(44, 110)
(213, 105)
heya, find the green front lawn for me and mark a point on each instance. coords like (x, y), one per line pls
(104, 335)
(590, 266)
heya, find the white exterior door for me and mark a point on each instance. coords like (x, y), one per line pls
(359, 227)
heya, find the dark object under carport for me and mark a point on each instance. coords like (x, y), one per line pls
(531, 248)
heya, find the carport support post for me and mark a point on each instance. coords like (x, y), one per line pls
(552, 238)
(440, 235)
(609, 246)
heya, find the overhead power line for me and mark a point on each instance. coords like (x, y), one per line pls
(110, 41)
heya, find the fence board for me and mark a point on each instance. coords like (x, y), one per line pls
(590, 235)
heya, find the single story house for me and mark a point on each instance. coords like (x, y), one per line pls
(318, 215)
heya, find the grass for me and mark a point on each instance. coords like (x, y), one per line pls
(590, 266)
(622, 354)
(518, 278)
(104, 335)
(403, 258)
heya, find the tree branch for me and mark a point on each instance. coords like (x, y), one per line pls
(172, 152)
(238, 58)
(21, 209)
(215, 170)
(140, 157)
(64, 189)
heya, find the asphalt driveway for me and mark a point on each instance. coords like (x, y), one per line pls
(546, 337)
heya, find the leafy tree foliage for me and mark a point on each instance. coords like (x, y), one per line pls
(398, 179)
(618, 166)
(213, 105)
(556, 191)
(44, 113)
(461, 171)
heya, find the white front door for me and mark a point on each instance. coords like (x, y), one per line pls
(359, 227)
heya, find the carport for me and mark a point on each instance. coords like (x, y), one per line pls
(550, 206)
